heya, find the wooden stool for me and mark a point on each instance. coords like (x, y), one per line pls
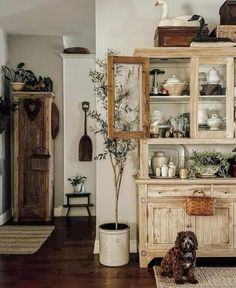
(78, 195)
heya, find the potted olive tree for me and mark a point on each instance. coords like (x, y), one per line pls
(114, 236)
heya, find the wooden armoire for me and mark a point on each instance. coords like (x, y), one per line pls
(33, 178)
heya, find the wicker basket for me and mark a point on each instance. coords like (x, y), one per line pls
(226, 31)
(40, 159)
(200, 205)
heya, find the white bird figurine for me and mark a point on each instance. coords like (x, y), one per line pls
(175, 21)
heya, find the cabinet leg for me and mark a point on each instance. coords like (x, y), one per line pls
(143, 261)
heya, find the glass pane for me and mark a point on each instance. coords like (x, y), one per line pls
(169, 98)
(128, 97)
(212, 97)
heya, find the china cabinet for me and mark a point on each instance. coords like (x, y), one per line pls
(33, 155)
(202, 114)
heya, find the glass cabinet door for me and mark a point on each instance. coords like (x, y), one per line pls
(170, 102)
(214, 98)
(128, 106)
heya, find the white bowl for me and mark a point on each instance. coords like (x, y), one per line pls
(175, 89)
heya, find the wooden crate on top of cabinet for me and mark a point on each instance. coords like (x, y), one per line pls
(33, 157)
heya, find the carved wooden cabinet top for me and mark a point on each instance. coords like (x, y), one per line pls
(38, 94)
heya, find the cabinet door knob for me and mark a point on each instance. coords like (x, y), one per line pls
(189, 226)
(159, 192)
(226, 191)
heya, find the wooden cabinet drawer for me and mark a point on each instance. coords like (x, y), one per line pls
(176, 190)
(224, 191)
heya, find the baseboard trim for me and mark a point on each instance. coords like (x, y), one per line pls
(133, 246)
(4, 217)
(60, 211)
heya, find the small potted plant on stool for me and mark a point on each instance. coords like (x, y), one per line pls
(77, 183)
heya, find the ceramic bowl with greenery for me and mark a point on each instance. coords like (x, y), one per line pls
(209, 163)
(77, 182)
(207, 170)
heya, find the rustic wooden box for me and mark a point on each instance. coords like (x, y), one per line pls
(228, 13)
(175, 36)
(228, 31)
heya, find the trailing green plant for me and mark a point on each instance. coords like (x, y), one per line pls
(7, 107)
(19, 74)
(77, 179)
(116, 149)
(211, 158)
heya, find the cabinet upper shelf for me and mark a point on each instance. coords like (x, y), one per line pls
(185, 52)
(186, 99)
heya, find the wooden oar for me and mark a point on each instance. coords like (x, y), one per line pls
(85, 143)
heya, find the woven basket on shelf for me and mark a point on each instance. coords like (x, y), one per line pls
(228, 31)
(40, 159)
(200, 205)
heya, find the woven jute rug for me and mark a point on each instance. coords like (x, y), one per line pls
(212, 277)
(23, 239)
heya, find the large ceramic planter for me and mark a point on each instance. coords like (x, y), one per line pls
(114, 244)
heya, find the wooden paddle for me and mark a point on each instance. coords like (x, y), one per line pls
(85, 143)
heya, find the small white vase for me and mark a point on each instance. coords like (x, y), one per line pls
(77, 188)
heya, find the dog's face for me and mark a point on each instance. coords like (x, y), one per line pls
(186, 241)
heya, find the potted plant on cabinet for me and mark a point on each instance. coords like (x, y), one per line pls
(77, 183)
(113, 237)
(18, 76)
(210, 163)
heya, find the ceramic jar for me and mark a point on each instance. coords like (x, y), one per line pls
(164, 170)
(155, 120)
(172, 168)
(158, 160)
(213, 76)
(174, 86)
(183, 173)
(214, 122)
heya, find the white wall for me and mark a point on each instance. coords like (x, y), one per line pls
(4, 194)
(125, 25)
(77, 87)
(41, 54)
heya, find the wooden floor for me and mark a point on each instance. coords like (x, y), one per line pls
(66, 260)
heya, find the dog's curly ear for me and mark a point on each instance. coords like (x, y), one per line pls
(194, 239)
(178, 240)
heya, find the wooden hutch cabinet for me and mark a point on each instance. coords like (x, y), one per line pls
(33, 157)
(161, 201)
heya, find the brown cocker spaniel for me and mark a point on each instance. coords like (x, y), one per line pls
(179, 261)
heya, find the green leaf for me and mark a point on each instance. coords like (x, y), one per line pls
(20, 65)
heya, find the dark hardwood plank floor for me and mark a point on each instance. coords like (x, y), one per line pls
(66, 260)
